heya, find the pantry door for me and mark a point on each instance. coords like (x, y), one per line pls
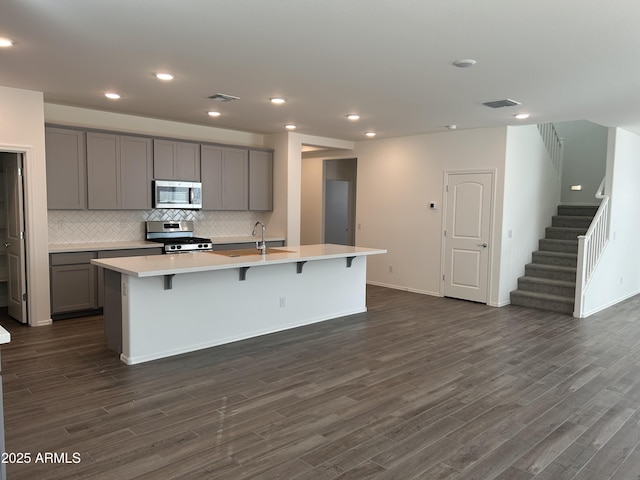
(469, 206)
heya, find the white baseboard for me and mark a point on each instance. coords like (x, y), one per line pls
(405, 289)
(604, 307)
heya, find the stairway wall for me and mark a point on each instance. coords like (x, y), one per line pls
(584, 160)
(532, 193)
(617, 276)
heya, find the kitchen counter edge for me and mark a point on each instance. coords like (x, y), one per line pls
(132, 244)
(171, 264)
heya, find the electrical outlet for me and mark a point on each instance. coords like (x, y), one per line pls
(124, 289)
(283, 302)
(390, 268)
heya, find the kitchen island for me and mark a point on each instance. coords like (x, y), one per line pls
(164, 305)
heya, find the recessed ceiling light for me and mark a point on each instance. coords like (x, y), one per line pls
(112, 95)
(353, 116)
(452, 127)
(277, 100)
(6, 42)
(370, 134)
(290, 126)
(522, 116)
(164, 76)
(213, 114)
(464, 63)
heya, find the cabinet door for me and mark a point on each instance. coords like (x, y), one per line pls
(188, 161)
(103, 171)
(211, 158)
(164, 154)
(66, 169)
(73, 287)
(235, 179)
(260, 180)
(136, 173)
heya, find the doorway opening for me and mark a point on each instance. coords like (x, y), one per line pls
(13, 278)
(339, 217)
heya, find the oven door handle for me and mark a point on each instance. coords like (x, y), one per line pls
(191, 195)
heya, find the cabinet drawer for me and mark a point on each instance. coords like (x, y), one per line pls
(71, 258)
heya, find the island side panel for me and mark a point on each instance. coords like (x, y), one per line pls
(211, 308)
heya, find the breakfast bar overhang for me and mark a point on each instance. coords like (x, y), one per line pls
(164, 305)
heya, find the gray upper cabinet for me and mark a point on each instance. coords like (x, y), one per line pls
(119, 172)
(136, 173)
(176, 160)
(224, 178)
(66, 169)
(260, 180)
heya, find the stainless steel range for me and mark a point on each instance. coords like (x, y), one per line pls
(177, 237)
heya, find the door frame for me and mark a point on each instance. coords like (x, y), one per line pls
(30, 230)
(492, 218)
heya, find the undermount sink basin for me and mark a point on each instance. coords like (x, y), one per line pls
(247, 252)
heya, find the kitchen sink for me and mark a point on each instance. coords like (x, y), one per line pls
(245, 252)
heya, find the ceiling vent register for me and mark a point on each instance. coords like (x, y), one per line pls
(501, 103)
(222, 97)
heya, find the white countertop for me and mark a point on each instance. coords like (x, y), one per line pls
(157, 265)
(5, 337)
(131, 244)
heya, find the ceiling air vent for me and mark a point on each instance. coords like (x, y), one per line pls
(501, 103)
(221, 97)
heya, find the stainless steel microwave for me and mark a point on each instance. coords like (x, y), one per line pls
(177, 194)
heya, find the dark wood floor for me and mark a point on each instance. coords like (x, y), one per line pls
(419, 387)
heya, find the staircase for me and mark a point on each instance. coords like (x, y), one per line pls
(549, 282)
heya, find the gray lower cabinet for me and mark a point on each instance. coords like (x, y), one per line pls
(119, 172)
(260, 180)
(78, 286)
(73, 282)
(174, 160)
(66, 169)
(225, 173)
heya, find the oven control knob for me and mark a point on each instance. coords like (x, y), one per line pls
(179, 247)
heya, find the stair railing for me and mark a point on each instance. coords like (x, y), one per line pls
(590, 248)
(553, 143)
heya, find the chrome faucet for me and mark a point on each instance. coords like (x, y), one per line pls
(262, 246)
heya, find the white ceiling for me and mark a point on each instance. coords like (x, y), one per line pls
(388, 60)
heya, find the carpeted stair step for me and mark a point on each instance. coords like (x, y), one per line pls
(555, 258)
(564, 233)
(542, 301)
(578, 210)
(546, 285)
(571, 221)
(553, 272)
(556, 245)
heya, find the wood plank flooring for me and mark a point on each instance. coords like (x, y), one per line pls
(417, 388)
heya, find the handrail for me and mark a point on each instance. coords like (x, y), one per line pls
(591, 245)
(553, 143)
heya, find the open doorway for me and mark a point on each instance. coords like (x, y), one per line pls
(12, 237)
(340, 201)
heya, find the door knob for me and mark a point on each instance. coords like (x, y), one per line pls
(7, 244)
(483, 245)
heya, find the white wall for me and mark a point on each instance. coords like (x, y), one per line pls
(531, 197)
(397, 178)
(617, 276)
(312, 197)
(288, 179)
(584, 160)
(22, 130)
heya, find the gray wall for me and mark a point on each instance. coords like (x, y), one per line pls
(584, 162)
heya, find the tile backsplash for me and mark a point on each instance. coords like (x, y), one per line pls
(85, 226)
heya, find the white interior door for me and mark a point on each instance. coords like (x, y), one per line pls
(467, 235)
(15, 246)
